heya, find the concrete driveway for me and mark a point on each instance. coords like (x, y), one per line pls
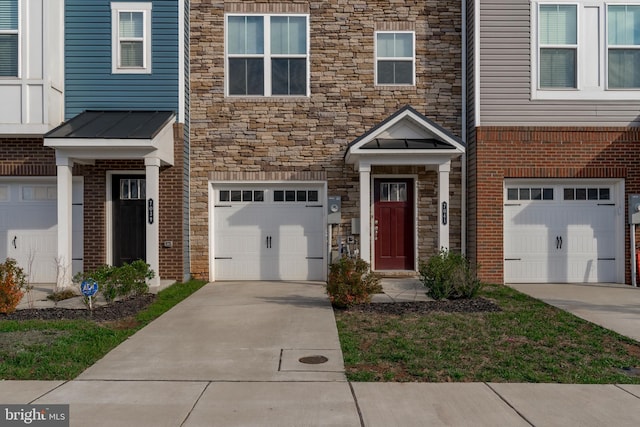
(615, 307)
(233, 331)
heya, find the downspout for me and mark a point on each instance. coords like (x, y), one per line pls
(463, 160)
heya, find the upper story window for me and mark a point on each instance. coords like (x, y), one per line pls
(558, 26)
(9, 32)
(395, 58)
(267, 55)
(623, 44)
(585, 50)
(131, 37)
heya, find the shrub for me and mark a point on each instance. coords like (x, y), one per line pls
(351, 282)
(124, 281)
(449, 275)
(12, 280)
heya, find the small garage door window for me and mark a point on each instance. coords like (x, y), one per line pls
(39, 192)
(529, 193)
(571, 193)
(295, 195)
(4, 193)
(241, 196)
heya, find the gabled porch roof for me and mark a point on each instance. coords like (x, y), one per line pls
(405, 138)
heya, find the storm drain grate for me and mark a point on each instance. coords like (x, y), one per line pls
(313, 360)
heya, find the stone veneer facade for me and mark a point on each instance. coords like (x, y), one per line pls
(499, 153)
(256, 138)
(28, 157)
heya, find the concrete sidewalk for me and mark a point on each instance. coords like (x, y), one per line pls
(229, 355)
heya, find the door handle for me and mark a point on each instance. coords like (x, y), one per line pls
(560, 242)
(557, 242)
(15, 246)
(268, 242)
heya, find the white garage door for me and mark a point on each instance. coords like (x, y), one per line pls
(28, 226)
(268, 233)
(561, 233)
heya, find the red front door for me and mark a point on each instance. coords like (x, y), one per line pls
(393, 224)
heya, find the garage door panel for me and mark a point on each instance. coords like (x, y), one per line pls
(29, 228)
(560, 240)
(267, 240)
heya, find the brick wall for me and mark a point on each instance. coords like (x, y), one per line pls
(26, 157)
(540, 152)
(311, 134)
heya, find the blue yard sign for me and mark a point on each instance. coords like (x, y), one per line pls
(89, 287)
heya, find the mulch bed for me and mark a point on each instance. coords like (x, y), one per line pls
(114, 311)
(472, 305)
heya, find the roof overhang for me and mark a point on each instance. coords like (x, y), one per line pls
(100, 135)
(405, 138)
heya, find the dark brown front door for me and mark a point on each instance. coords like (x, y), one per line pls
(129, 235)
(393, 224)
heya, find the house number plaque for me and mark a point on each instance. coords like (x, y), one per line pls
(150, 210)
(444, 213)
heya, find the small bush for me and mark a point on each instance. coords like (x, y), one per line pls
(12, 280)
(62, 295)
(124, 281)
(351, 282)
(449, 275)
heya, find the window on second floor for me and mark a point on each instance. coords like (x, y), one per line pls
(395, 58)
(585, 50)
(558, 35)
(131, 37)
(623, 46)
(267, 55)
(9, 33)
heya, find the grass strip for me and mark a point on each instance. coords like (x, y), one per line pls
(61, 350)
(529, 341)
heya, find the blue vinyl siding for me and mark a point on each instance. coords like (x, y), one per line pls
(89, 83)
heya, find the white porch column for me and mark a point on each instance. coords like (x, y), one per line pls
(152, 170)
(365, 212)
(443, 205)
(64, 266)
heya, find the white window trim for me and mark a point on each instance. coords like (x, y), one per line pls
(267, 56)
(145, 9)
(383, 58)
(580, 93)
(17, 31)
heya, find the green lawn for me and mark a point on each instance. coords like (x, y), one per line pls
(528, 341)
(61, 350)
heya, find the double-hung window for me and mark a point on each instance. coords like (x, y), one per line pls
(395, 58)
(623, 46)
(267, 55)
(9, 30)
(585, 49)
(558, 34)
(131, 37)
